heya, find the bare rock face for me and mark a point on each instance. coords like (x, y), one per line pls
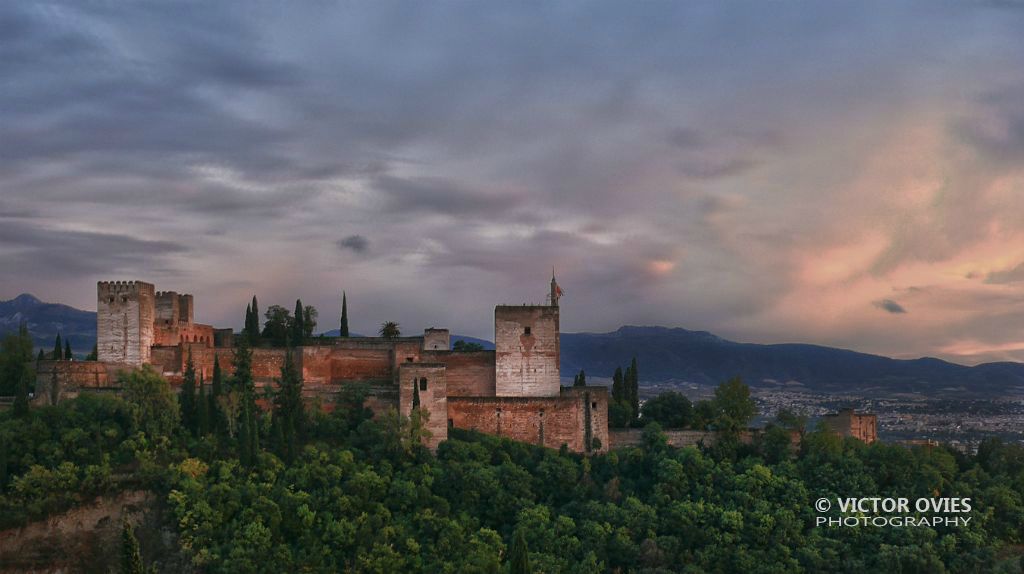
(87, 538)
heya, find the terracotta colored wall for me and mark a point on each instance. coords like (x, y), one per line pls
(433, 398)
(71, 377)
(545, 421)
(468, 374)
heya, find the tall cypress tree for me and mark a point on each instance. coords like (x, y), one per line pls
(41, 356)
(580, 380)
(216, 389)
(20, 406)
(298, 325)
(67, 349)
(245, 454)
(188, 397)
(344, 315)
(254, 338)
(58, 349)
(131, 557)
(202, 411)
(618, 390)
(415, 394)
(247, 329)
(519, 554)
(289, 414)
(634, 390)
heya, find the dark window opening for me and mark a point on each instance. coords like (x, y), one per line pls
(423, 384)
(542, 413)
(451, 423)
(593, 405)
(526, 331)
(408, 359)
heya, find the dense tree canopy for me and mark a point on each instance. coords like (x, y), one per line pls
(362, 495)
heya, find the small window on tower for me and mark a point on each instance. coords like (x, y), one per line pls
(526, 331)
(593, 405)
(423, 384)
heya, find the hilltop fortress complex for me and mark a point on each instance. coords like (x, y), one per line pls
(513, 391)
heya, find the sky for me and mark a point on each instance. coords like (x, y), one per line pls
(842, 173)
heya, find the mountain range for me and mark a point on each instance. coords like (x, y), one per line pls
(664, 355)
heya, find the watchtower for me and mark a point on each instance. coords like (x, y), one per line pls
(125, 311)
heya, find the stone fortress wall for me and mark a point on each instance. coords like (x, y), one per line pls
(513, 391)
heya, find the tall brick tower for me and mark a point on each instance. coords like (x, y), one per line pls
(125, 311)
(526, 343)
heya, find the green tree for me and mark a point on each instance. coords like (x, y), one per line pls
(216, 391)
(202, 411)
(131, 557)
(618, 389)
(672, 410)
(188, 397)
(41, 356)
(254, 336)
(58, 349)
(93, 355)
(632, 383)
(415, 394)
(343, 332)
(298, 331)
(519, 554)
(20, 406)
(67, 350)
(150, 400)
(389, 330)
(289, 414)
(580, 380)
(462, 346)
(15, 360)
(734, 408)
(278, 326)
(309, 317)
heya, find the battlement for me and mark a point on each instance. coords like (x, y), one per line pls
(126, 287)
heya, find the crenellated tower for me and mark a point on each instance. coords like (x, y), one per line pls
(125, 311)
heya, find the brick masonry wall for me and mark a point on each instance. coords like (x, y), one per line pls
(468, 374)
(71, 378)
(527, 360)
(544, 421)
(430, 379)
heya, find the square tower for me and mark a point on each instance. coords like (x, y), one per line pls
(526, 353)
(125, 312)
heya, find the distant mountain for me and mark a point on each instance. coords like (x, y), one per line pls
(666, 354)
(45, 320)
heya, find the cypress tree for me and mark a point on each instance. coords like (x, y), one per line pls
(245, 453)
(203, 411)
(415, 394)
(67, 349)
(618, 392)
(20, 406)
(580, 380)
(188, 396)
(289, 415)
(247, 329)
(298, 326)
(131, 558)
(519, 554)
(216, 419)
(634, 390)
(95, 354)
(255, 330)
(41, 356)
(344, 315)
(58, 349)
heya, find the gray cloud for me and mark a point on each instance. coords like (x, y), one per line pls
(675, 159)
(889, 306)
(356, 243)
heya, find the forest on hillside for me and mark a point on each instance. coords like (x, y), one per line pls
(291, 488)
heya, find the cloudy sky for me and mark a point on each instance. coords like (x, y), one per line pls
(843, 173)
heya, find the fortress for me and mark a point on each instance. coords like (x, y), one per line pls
(513, 391)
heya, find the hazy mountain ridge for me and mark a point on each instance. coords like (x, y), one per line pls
(45, 320)
(664, 354)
